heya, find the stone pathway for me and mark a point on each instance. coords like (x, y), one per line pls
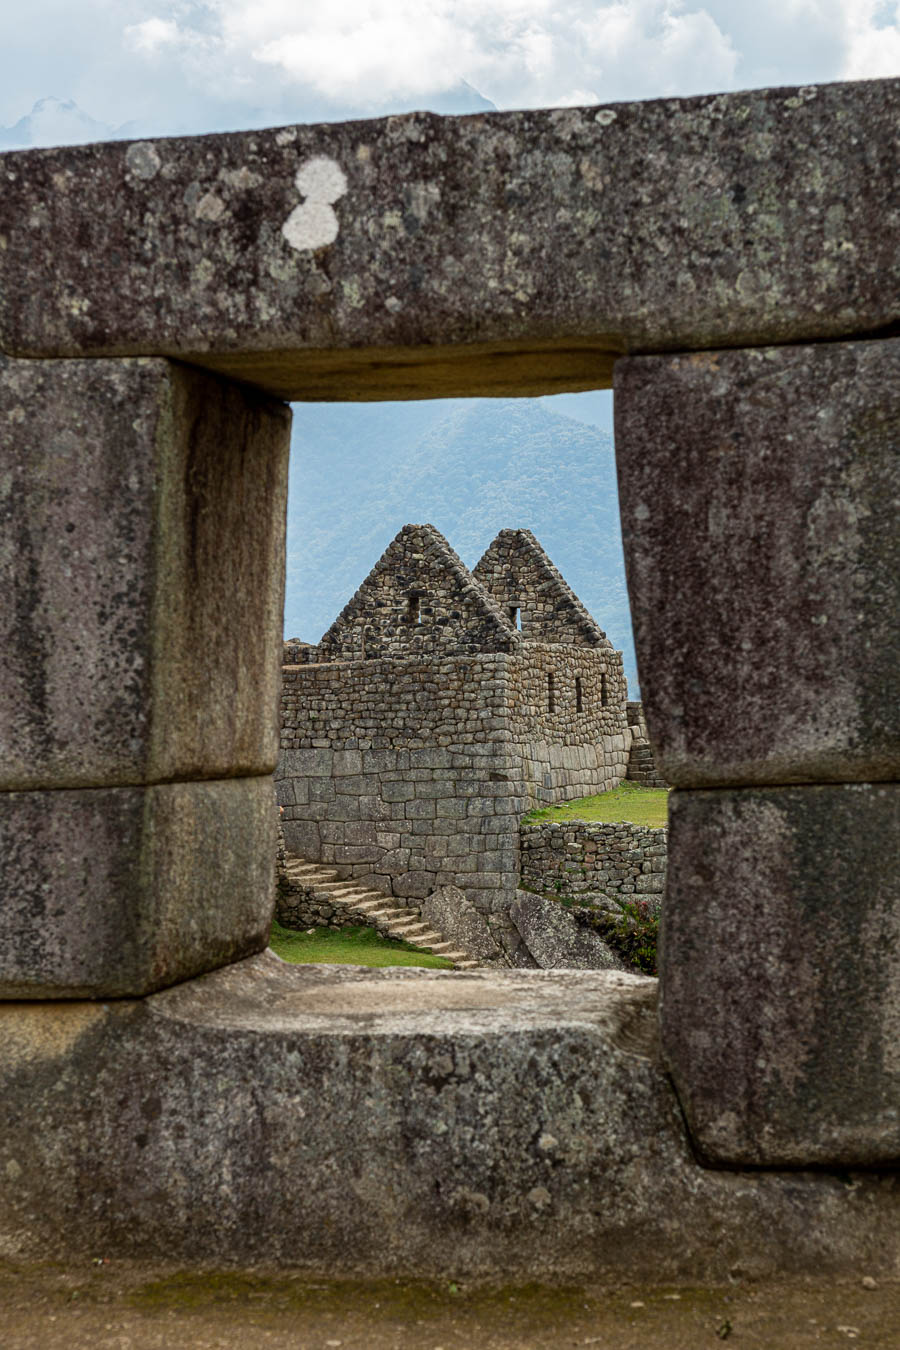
(375, 908)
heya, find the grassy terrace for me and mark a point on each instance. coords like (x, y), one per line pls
(629, 801)
(348, 947)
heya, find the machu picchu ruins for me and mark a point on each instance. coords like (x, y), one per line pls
(729, 265)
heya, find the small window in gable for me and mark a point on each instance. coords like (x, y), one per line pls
(579, 700)
(413, 610)
(604, 690)
(551, 693)
(515, 617)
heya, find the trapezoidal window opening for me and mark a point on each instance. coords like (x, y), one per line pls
(413, 609)
(551, 693)
(515, 617)
(604, 690)
(579, 697)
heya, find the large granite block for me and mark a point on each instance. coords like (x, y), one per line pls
(109, 892)
(780, 972)
(759, 494)
(444, 1125)
(502, 253)
(143, 567)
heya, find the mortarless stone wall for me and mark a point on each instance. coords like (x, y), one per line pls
(412, 774)
(419, 600)
(642, 767)
(568, 752)
(528, 589)
(400, 772)
(591, 859)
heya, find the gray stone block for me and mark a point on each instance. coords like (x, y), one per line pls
(143, 507)
(303, 837)
(357, 853)
(759, 511)
(197, 1110)
(780, 972)
(305, 763)
(415, 884)
(555, 940)
(709, 210)
(457, 918)
(112, 892)
(346, 762)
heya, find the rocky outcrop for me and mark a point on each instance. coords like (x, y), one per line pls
(556, 940)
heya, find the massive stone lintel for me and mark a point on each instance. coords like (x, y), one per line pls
(113, 892)
(500, 253)
(759, 495)
(780, 974)
(442, 1125)
(143, 560)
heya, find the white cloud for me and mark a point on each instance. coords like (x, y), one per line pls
(205, 64)
(150, 35)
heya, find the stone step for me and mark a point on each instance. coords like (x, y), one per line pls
(425, 940)
(368, 905)
(400, 921)
(388, 915)
(409, 928)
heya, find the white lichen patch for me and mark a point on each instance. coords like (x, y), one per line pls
(142, 160)
(314, 223)
(286, 136)
(605, 117)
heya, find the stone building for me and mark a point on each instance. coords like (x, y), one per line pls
(441, 705)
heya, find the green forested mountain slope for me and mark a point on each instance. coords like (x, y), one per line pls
(470, 467)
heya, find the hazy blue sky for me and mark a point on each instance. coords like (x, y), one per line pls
(198, 65)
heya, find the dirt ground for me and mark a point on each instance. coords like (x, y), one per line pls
(110, 1305)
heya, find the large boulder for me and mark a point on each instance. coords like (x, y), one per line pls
(454, 915)
(556, 940)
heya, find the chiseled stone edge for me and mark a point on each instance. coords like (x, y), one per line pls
(502, 250)
(442, 1124)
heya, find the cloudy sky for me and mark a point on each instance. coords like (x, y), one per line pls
(196, 65)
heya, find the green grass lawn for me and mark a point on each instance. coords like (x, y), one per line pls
(361, 946)
(630, 802)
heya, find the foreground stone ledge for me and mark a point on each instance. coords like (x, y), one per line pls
(143, 562)
(500, 253)
(389, 1122)
(759, 495)
(780, 972)
(111, 892)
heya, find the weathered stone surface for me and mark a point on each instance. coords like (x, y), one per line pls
(508, 252)
(110, 892)
(759, 494)
(555, 940)
(597, 861)
(780, 972)
(448, 910)
(515, 1125)
(142, 560)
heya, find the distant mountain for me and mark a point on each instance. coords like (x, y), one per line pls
(470, 467)
(54, 121)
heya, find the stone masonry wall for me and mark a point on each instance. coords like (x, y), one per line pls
(594, 860)
(526, 585)
(399, 772)
(569, 753)
(418, 600)
(641, 760)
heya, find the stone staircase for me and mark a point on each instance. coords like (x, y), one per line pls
(373, 907)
